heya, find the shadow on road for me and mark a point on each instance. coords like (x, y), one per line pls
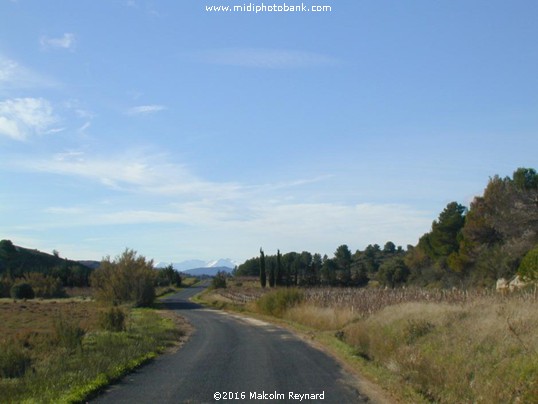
(180, 305)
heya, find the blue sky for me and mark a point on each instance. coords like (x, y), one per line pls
(188, 134)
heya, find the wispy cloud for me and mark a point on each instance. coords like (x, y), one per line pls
(67, 41)
(15, 76)
(132, 171)
(265, 58)
(145, 109)
(24, 117)
(257, 214)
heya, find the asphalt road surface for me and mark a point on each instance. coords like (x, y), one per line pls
(238, 360)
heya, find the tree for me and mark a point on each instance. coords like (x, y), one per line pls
(168, 276)
(393, 272)
(272, 274)
(219, 280)
(263, 276)
(279, 272)
(444, 237)
(389, 248)
(342, 257)
(328, 271)
(7, 253)
(528, 269)
(127, 279)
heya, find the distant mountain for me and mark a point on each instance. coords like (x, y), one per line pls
(206, 271)
(199, 264)
(90, 264)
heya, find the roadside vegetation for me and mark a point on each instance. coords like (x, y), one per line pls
(446, 346)
(66, 349)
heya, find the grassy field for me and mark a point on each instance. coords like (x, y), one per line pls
(428, 345)
(55, 351)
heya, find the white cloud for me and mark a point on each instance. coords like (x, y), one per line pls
(15, 76)
(264, 58)
(67, 41)
(23, 117)
(209, 212)
(133, 171)
(145, 109)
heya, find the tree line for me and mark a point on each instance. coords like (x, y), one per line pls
(129, 277)
(495, 237)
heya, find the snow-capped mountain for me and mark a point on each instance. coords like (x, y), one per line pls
(192, 264)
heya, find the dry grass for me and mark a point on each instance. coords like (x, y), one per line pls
(451, 346)
(483, 351)
(20, 319)
(321, 318)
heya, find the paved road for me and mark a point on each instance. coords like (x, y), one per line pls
(232, 355)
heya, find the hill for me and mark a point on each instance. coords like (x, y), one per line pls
(16, 261)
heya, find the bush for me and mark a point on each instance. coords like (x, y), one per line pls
(68, 334)
(45, 286)
(14, 361)
(219, 280)
(22, 290)
(277, 302)
(5, 286)
(113, 320)
(127, 279)
(528, 268)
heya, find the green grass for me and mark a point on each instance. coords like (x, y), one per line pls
(66, 371)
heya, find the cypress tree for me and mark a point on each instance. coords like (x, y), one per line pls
(272, 274)
(278, 269)
(263, 276)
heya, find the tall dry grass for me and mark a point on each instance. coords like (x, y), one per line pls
(485, 351)
(452, 346)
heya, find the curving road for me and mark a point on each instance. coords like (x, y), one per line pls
(236, 357)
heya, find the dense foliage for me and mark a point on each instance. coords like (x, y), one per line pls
(465, 247)
(129, 278)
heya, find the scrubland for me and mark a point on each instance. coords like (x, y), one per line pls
(446, 346)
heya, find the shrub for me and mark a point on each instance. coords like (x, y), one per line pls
(528, 268)
(277, 302)
(22, 290)
(416, 329)
(5, 286)
(219, 280)
(127, 279)
(14, 361)
(68, 334)
(45, 286)
(113, 320)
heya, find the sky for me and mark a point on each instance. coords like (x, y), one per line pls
(184, 132)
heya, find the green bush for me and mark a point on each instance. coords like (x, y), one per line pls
(22, 290)
(14, 361)
(219, 280)
(113, 320)
(275, 303)
(528, 269)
